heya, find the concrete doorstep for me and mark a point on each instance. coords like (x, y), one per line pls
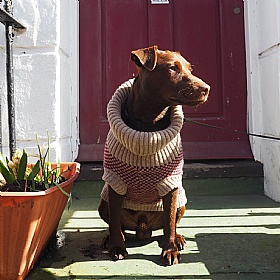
(228, 237)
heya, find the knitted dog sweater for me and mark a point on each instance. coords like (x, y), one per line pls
(142, 166)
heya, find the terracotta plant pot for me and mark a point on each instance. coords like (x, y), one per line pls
(27, 222)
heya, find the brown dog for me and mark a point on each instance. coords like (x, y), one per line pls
(143, 156)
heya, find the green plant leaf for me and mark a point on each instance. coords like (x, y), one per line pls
(47, 186)
(3, 159)
(66, 193)
(35, 170)
(22, 166)
(33, 185)
(7, 174)
(62, 190)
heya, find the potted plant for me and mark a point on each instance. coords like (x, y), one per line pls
(32, 200)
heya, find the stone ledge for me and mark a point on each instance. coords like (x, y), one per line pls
(192, 170)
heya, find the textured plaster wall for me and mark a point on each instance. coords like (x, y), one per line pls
(262, 21)
(46, 77)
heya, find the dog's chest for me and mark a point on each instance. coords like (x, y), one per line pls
(133, 123)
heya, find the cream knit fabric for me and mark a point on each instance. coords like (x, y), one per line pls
(155, 158)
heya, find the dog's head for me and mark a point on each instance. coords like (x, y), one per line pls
(169, 75)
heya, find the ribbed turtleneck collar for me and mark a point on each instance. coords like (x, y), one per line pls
(137, 142)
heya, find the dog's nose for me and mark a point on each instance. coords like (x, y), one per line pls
(204, 89)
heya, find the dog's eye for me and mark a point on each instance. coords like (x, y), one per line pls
(173, 67)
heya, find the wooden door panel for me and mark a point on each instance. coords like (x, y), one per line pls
(90, 69)
(121, 30)
(161, 26)
(198, 39)
(217, 51)
(207, 32)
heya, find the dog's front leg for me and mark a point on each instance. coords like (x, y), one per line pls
(170, 253)
(116, 249)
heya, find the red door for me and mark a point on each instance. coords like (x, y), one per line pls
(209, 33)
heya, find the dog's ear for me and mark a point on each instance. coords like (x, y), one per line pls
(146, 57)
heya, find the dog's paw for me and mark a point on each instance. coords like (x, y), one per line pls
(117, 253)
(170, 254)
(170, 257)
(180, 242)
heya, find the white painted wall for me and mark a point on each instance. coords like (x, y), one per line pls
(46, 77)
(262, 20)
